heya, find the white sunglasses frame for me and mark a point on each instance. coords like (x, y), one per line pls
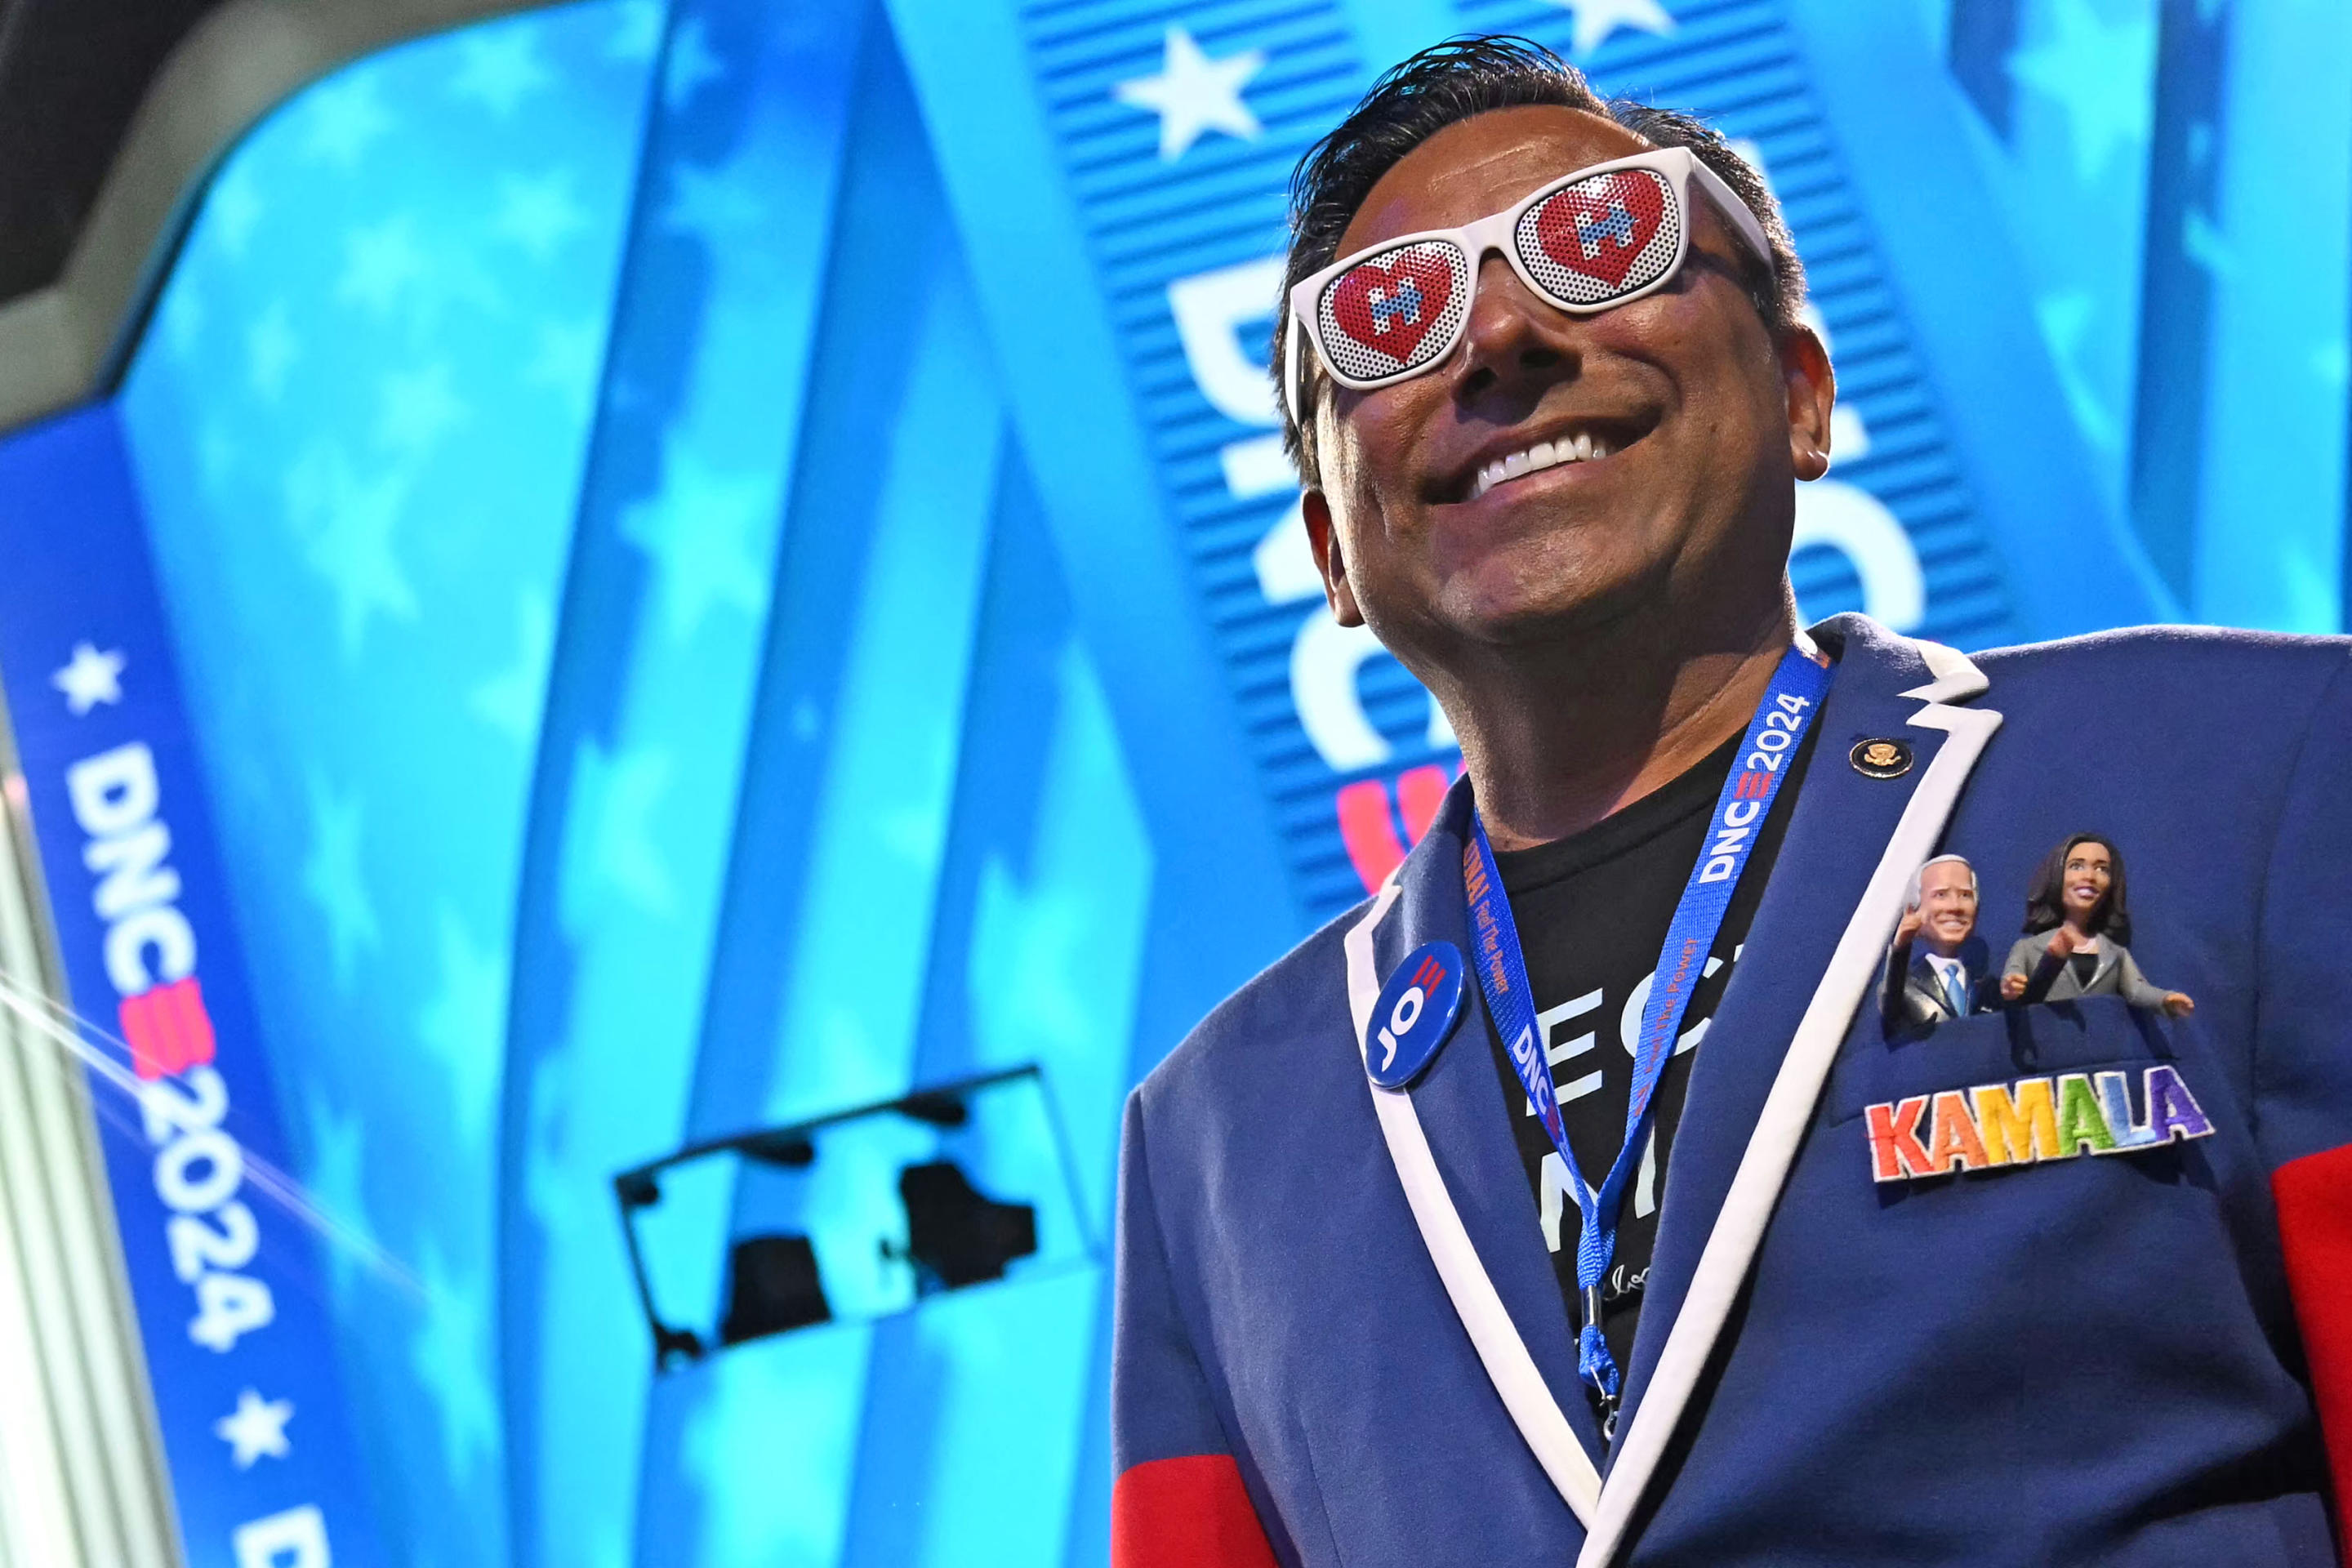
(1494, 232)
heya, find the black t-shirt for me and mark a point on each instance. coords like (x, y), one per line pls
(1593, 912)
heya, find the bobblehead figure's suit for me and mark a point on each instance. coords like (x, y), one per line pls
(1915, 997)
(1340, 1339)
(2116, 973)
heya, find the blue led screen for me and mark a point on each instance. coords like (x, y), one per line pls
(727, 562)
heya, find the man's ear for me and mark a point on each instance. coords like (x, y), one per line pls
(1315, 507)
(1809, 387)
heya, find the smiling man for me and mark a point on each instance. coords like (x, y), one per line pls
(1576, 1151)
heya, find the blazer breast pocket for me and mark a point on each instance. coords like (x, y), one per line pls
(2049, 1038)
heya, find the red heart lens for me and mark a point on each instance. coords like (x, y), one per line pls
(1602, 237)
(1380, 313)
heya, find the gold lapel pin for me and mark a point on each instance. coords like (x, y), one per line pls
(1881, 759)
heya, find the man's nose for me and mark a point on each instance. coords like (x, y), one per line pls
(1511, 333)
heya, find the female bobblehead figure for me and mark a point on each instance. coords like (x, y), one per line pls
(2077, 897)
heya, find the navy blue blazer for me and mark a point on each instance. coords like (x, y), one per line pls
(1339, 1339)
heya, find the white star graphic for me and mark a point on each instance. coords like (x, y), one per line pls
(255, 1428)
(539, 215)
(336, 1189)
(511, 699)
(91, 678)
(342, 120)
(717, 204)
(567, 355)
(416, 408)
(500, 67)
(465, 1025)
(636, 31)
(1193, 93)
(691, 66)
(452, 1357)
(336, 881)
(609, 839)
(1596, 19)
(347, 531)
(2098, 76)
(380, 263)
(270, 349)
(707, 534)
(183, 316)
(233, 208)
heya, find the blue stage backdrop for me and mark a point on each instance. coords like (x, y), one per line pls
(728, 561)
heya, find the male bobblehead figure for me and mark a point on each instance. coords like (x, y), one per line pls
(1657, 1248)
(1930, 976)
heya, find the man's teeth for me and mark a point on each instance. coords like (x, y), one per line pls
(1543, 454)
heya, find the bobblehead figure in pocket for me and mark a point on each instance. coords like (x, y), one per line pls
(1936, 968)
(2076, 926)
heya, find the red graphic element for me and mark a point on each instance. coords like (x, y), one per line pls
(1370, 831)
(1192, 1513)
(1364, 827)
(1752, 785)
(1895, 1150)
(1389, 309)
(168, 1029)
(1429, 973)
(1601, 227)
(2314, 1211)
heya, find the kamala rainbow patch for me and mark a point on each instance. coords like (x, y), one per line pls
(2030, 1120)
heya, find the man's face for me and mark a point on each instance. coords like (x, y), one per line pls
(1706, 420)
(1947, 904)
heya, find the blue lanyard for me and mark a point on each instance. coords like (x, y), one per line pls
(1782, 718)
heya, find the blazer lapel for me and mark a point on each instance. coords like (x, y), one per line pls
(1927, 982)
(1814, 953)
(2069, 986)
(1490, 1252)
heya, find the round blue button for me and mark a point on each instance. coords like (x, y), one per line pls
(1417, 1009)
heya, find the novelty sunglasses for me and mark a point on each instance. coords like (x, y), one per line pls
(1598, 238)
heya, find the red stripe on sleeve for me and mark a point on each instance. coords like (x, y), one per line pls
(1192, 1513)
(2315, 1208)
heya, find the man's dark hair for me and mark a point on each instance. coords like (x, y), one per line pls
(1451, 82)
(2045, 897)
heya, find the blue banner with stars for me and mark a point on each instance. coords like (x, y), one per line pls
(223, 1252)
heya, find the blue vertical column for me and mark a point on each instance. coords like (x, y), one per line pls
(2279, 276)
(842, 825)
(657, 661)
(1962, 309)
(1040, 155)
(2168, 434)
(1060, 344)
(980, 1416)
